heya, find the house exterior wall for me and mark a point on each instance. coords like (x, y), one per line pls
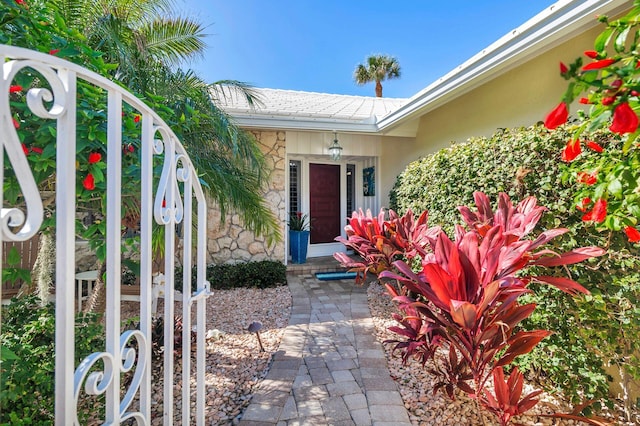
(228, 241)
(395, 154)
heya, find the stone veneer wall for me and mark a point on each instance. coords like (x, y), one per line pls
(229, 241)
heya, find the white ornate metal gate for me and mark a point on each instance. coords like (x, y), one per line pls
(160, 199)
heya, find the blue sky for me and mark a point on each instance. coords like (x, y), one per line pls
(315, 45)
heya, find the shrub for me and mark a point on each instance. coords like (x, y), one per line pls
(588, 331)
(27, 364)
(260, 274)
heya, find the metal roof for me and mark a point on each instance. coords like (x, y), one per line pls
(292, 109)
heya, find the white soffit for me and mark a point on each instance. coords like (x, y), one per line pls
(556, 23)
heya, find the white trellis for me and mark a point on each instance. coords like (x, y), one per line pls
(100, 373)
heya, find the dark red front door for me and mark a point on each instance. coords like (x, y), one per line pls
(324, 197)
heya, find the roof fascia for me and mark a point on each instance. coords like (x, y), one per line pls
(310, 123)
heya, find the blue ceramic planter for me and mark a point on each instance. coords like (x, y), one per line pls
(298, 243)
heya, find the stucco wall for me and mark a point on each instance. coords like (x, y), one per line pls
(393, 160)
(229, 241)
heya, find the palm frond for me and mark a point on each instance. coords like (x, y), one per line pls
(361, 75)
(73, 11)
(227, 88)
(148, 42)
(174, 40)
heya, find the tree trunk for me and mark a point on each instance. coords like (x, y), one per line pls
(44, 266)
(378, 89)
(97, 300)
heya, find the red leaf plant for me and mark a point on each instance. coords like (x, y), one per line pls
(380, 242)
(507, 403)
(464, 302)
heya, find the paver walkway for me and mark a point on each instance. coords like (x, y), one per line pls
(329, 369)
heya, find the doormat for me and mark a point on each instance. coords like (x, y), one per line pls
(328, 276)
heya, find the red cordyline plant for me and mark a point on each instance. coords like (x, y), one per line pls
(381, 242)
(461, 310)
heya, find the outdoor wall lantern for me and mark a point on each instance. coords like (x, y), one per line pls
(335, 150)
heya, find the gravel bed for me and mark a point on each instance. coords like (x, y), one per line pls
(235, 364)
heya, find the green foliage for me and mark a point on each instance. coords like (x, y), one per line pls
(377, 68)
(12, 272)
(299, 221)
(260, 274)
(27, 363)
(588, 331)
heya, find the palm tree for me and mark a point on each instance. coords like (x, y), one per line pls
(377, 68)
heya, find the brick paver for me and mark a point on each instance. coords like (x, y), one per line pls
(329, 368)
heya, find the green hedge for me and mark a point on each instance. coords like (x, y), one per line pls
(260, 274)
(588, 331)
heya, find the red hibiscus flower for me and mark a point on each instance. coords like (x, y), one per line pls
(582, 206)
(596, 65)
(571, 151)
(36, 149)
(563, 68)
(25, 149)
(632, 234)
(20, 2)
(587, 178)
(598, 213)
(557, 117)
(16, 123)
(608, 100)
(136, 118)
(595, 146)
(53, 51)
(89, 182)
(130, 148)
(625, 119)
(94, 157)
(14, 89)
(584, 101)
(591, 54)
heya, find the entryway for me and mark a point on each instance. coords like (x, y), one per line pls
(328, 191)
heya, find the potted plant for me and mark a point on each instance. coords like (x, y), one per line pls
(299, 226)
